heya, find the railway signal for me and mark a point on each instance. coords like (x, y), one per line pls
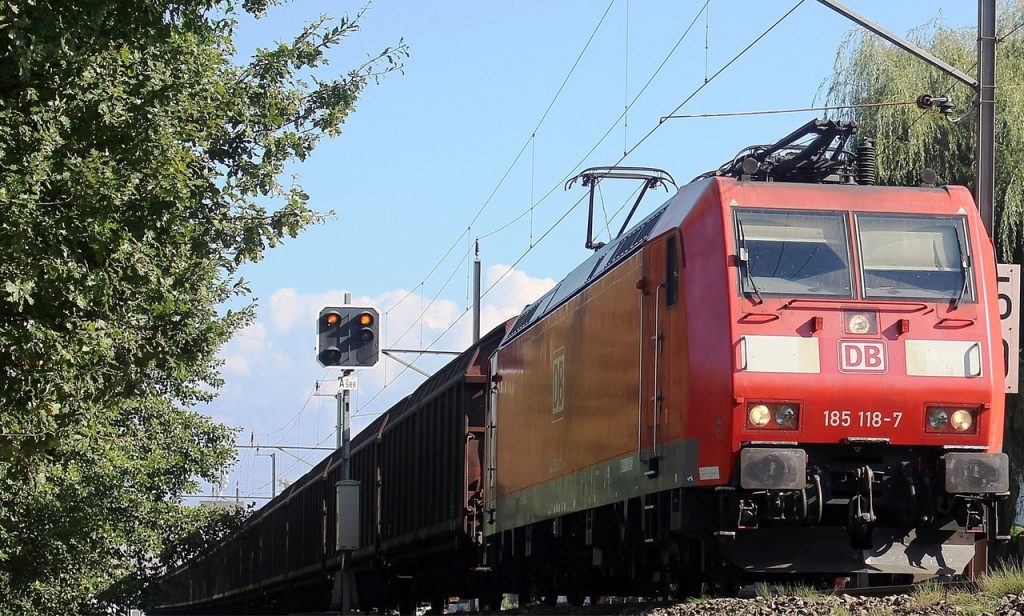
(364, 346)
(348, 337)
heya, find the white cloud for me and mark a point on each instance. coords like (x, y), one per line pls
(512, 290)
(237, 364)
(247, 345)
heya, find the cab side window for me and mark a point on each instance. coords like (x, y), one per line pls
(671, 273)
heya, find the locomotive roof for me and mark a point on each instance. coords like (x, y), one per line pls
(599, 263)
(672, 212)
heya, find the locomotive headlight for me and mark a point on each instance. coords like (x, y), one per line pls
(759, 415)
(961, 420)
(861, 322)
(951, 419)
(938, 418)
(785, 416)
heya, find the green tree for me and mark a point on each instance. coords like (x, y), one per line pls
(868, 71)
(139, 168)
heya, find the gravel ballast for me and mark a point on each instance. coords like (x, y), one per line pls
(826, 605)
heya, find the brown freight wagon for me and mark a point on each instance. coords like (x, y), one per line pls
(420, 517)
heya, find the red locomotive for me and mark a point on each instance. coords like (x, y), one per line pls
(782, 370)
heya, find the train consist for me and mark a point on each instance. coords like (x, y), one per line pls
(783, 370)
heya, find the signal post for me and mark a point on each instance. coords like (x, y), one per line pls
(347, 337)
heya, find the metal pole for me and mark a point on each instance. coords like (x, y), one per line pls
(407, 364)
(343, 436)
(476, 295)
(346, 429)
(342, 399)
(984, 86)
(273, 470)
(903, 43)
(986, 145)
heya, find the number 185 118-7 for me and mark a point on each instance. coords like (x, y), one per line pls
(862, 419)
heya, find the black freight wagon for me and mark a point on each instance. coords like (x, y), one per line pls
(420, 471)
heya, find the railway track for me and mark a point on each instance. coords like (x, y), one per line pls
(904, 589)
(941, 599)
(895, 600)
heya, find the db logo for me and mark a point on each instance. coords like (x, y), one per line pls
(558, 381)
(861, 356)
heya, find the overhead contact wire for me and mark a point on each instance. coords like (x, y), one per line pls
(729, 114)
(608, 132)
(515, 160)
(713, 76)
(464, 313)
(636, 145)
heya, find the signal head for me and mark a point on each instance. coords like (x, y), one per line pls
(330, 356)
(331, 342)
(347, 337)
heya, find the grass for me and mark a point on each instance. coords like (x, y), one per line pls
(800, 591)
(928, 594)
(998, 583)
(1005, 580)
(973, 603)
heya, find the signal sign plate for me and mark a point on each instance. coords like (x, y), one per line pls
(862, 357)
(1009, 318)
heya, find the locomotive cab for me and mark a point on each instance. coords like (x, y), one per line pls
(867, 388)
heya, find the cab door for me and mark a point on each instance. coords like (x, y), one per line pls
(661, 297)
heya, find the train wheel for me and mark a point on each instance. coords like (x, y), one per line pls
(407, 605)
(576, 598)
(438, 605)
(724, 583)
(491, 601)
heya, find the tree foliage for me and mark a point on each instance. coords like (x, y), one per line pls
(139, 168)
(869, 71)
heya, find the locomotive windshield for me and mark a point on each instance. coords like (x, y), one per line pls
(920, 257)
(784, 252)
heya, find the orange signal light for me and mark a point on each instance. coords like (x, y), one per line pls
(333, 318)
(366, 319)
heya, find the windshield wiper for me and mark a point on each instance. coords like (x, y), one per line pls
(965, 270)
(744, 259)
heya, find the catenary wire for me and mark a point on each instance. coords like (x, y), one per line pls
(954, 82)
(626, 154)
(298, 413)
(484, 294)
(713, 76)
(729, 114)
(515, 160)
(608, 132)
(437, 295)
(1010, 33)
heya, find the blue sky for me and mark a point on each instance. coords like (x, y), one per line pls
(423, 151)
